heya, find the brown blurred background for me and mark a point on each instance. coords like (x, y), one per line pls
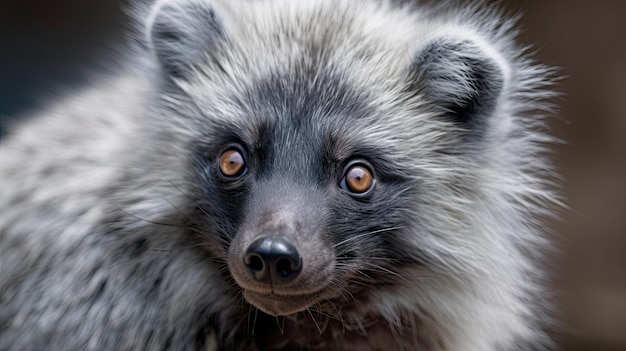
(588, 40)
(48, 45)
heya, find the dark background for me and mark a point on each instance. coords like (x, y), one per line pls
(46, 46)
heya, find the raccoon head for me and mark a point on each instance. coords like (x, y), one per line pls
(329, 155)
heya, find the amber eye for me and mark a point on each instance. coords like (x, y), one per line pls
(357, 180)
(232, 164)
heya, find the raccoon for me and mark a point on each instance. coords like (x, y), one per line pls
(297, 175)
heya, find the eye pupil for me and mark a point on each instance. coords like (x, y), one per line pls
(231, 163)
(358, 179)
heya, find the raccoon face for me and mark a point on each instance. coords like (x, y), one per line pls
(306, 209)
(315, 167)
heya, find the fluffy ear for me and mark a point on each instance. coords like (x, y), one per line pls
(183, 32)
(463, 77)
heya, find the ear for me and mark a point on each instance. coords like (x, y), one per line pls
(183, 32)
(462, 77)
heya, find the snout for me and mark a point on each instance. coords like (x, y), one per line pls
(273, 260)
(280, 269)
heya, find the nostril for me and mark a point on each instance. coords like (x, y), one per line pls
(254, 262)
(285, 267)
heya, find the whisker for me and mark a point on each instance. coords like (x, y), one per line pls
(256, 311)
(314, 321)
(147, 220)
(184, 194)
(179, 210)
(356, 237)
(339, 316)
(281, 325)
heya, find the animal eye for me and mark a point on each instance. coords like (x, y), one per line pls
(358, 179)
(232, 164)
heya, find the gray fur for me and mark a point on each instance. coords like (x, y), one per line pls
(117, 234)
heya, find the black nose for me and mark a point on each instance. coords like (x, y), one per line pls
(273, 260)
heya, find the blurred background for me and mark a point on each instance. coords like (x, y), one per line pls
(47, 46)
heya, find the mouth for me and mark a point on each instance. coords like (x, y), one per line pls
(280, 305)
